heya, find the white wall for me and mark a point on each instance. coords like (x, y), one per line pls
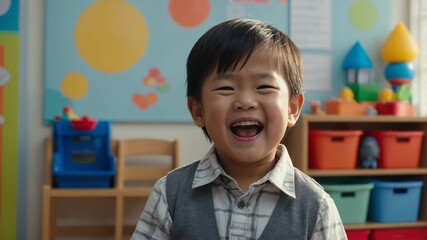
(193, 142)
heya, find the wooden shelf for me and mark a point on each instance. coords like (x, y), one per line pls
(56, 192)
(360, 118)
(375, 225)
(127, 175)
(91, 230)
(366, 172)
(297, 144)
(96, 192)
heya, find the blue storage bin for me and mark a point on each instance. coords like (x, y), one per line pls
(82, 158)
(395, 201)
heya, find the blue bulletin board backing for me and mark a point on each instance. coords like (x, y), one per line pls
(345, 34)
(124, 61)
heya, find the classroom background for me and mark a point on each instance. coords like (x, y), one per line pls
(38, 34)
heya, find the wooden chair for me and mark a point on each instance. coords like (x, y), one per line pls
(122, 149)
(141, 148)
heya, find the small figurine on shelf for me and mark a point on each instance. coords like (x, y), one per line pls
(67, 114)
(358, 67)
(345, 104)
(347, 94)
(360, 90)
(369, 152)
(78, 123)
(371, 110)
(387, 95)
(316, 107)
(398, 50)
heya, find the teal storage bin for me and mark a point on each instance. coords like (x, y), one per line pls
(351, 196)
(395, 201)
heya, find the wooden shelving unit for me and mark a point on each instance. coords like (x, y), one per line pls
(122, 149)
(297, 144)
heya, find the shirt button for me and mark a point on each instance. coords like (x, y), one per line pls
(241, 204)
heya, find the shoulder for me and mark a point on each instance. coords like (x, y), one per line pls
(181, 177)
(307, 187)
(184, 170)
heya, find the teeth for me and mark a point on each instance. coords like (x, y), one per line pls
(245, 123)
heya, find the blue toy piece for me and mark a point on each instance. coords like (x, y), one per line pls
(369, 152)
(82, 156)
(399, 70)
(357, 58)
(358, 65)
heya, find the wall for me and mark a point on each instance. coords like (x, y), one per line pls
(193, 142)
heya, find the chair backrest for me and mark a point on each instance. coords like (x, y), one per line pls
(141, 150)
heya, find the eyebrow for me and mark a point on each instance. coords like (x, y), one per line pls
(256, 75)
(223, 76)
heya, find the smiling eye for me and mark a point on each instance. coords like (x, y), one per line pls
(225, 88)
(266, 87)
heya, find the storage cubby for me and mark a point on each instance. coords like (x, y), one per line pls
(118, 196)
(297, 142)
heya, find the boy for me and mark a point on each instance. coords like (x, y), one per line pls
(244, 89)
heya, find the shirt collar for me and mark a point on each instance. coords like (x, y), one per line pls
(208, 169)
(282, 175)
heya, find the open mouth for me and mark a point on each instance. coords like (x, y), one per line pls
(246, 129)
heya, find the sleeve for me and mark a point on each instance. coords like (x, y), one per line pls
(155, 221)
(329, 224)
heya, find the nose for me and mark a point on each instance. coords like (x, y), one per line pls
(245, 101)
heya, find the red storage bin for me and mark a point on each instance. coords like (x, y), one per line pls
(333, 149)
(358, 234)
(398, 149)
(399, 234)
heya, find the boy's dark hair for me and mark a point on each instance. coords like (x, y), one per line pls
(227, 44)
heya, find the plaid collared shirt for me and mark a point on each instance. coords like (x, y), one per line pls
(239, 215)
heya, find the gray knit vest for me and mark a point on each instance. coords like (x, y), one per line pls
(193, 214)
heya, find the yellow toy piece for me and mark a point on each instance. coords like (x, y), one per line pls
(399, 46)
(387, 95)
(69, 114)
(347, 94)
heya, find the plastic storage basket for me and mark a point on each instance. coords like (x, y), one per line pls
(333, 149)
(395, 201)
(358, 234)
(82, 158)
(399, 234)
(398, 149)
(351, 197)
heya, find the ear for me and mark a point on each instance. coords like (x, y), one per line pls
(196, 110)
(295, 105)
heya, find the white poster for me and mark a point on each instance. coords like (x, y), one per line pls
(311, 24)
(317, 72)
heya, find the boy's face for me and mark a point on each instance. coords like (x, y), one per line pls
(246, 111)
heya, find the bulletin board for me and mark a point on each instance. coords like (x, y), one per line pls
(124, 60)
(9, 63)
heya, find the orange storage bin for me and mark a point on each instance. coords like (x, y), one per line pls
(398, 149)
(400, 234)
(333, 149)
(358, 234)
